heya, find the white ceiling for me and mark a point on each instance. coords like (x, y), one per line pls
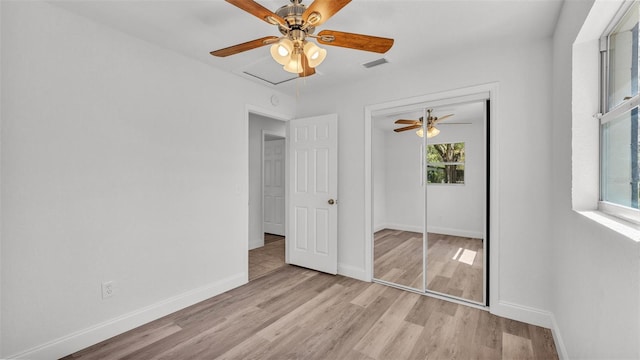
(421, 28)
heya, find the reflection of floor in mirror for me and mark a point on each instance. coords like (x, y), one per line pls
(454, 263)
(454, 266)
(398, 257)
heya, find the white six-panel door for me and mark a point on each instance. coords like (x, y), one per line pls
(312, 229)
(273, 190)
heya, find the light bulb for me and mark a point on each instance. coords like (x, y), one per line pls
(294, 65)
(315, 55)
(281, 50)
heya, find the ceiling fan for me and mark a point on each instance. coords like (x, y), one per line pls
(417, 124)
(297, 23)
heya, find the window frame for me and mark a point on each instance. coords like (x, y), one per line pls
(607, 115)
(427, 163)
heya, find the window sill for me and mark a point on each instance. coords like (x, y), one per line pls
(624, 228)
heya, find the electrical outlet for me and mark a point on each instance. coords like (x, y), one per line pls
(108, 289)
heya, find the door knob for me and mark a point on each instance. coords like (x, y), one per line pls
(331, 201)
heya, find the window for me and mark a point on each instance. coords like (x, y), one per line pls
(445, 163)
(619, 165)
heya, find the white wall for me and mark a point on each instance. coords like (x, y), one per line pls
(120, 161)
(257, 124)
(596, 271)
(523, 120)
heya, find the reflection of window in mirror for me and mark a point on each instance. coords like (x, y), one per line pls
(445, 163)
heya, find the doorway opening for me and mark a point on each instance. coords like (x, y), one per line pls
(267, 205)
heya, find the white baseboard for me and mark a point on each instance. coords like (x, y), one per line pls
(557, 338)
(254, 244)
(79, 340)
(377, 228)
(522, 313)
(455, 232)
(352, 272)
(431, 229)
(532, 316)
(403, 227)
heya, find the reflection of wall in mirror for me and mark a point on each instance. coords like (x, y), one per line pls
(452, 209)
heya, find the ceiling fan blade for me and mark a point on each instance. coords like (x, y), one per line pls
(326, 9)
(410, 122)
(249, 45)
(306, 69)
(355, 41)
(259, 11)
(407, 128)
(443, 117)
(450, 123)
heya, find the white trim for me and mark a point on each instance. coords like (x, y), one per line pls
(625, 213)
(256, 243)
(253, 109)
(522, 313)
(403, 227)
(455, 232)
(352, 272)
(79, 340)
(430, 229)
(557, 338)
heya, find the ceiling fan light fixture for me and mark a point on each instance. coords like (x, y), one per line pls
(432, 131)
(420, 132)
(315, 54)
(295, 64)
(281, 51)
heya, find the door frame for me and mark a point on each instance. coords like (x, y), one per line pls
(434, 99)
(257, 110)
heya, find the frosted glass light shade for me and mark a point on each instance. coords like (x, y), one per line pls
(420, 132)
(281, 51)
(432, 131)
(294, 65)
(315, 54)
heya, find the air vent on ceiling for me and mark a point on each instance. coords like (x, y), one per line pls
(373, 63)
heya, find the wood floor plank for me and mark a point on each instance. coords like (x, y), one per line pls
(516, 347)
(402, 343)
(374, 342)
(542, 342)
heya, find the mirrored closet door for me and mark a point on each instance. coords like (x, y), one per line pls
(398, 204)
(429, 199)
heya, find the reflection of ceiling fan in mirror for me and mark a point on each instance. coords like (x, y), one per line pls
(417, 124)
(297, 22)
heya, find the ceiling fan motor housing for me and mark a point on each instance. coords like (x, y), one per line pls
(292, 14)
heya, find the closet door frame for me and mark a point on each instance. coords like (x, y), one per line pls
(488, 93)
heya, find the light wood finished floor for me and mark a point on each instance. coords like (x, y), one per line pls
(454, 265)
(267, 258)
(295, 313)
